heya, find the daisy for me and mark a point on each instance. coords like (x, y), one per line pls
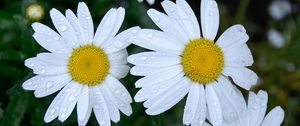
(85, 66)
(254, 115)
(184, 62)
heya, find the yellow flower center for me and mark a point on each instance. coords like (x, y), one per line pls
(89, 65)
(202, 61)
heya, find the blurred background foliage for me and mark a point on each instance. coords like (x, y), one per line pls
(274, 42)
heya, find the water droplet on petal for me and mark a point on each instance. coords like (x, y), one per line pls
(143, 58)
(49, 84)
(150, 36)
(62, 28)
(52, 111)
(71, 98)
(42, 71)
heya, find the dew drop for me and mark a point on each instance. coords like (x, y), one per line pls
(102, 122)
(134, 31)
(52, 111)
(29, 83)
(63, 115)
(49, 84)
(241, 29)
(62, 28)
(150, 36)
(71, 98)
(143, 58)
(42, 71)
(118, 44)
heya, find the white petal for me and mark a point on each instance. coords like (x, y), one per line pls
(171, 98)
(119, 71)
(123, 106)
(29, 85)
(159, 76)
(73, 20)
(121, 41)
(86, 22)
(167, 86)
(191, 104)
(119, 57)
(55, 107)
(143, 70)
(188, 19)
(158, 41)
(111, 104)
(184, 16)
(213, 104)
(64, 28)
(243, 77)
(87, 115)
(155, 90)
(231, 100)
(52, 58)
(83, 103)
(274, 117)
(99, 107)
(45, 68)
(49, 39)
(209, 19)
(109, 26)
(238, 56)
(257, 107)
(200, 114)
(234, 35)
(168, 25)
(119, 90)
(263, 97)
(69, 101)
(50, 84)
(154, 59)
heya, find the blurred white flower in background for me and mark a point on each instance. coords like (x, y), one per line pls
(35, 12)
(151, 2)
(276, 38)
(279, 9)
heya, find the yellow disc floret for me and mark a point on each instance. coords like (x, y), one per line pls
(202, 61)
(89, 65)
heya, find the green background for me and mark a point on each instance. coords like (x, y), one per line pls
(278, 69)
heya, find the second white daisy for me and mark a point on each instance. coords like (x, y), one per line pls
(184, 62)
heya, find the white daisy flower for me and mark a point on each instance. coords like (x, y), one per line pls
(151, 2)
(85, 66)
(276, 39)
(254, 115)
(278, 9)
(182, 61)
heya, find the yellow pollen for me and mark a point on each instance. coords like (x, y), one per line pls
(202, 61)
(89, 65)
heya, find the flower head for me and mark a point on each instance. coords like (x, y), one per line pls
(182, 61)
(35, 12)
(85, 66)
(254, 115)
